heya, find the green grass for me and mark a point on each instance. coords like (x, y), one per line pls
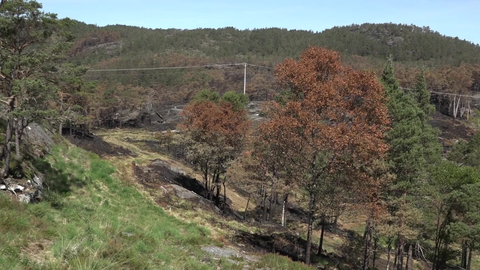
(90, 220)
(475, 119)
(280, 263)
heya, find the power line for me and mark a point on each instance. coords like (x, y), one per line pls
(265, 67)
(182, 67)
(245, 65)
(444, 93)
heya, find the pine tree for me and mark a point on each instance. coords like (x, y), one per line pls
(422, 95)
(413, 145)
(32, 43)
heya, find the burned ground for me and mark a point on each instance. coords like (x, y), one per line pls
(163, 177)
(98, 146)
(451, 129)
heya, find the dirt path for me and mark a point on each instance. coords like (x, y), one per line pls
(143, 155)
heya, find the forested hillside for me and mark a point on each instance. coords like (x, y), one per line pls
(332, 157)
(407, 43)
(169, 66)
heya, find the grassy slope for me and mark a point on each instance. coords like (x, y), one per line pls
(221, 229)
(92, 220)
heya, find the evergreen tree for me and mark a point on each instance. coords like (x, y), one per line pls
(422, 95)
(413, 144)
(32, 43)
(467, 153)
(453, 207)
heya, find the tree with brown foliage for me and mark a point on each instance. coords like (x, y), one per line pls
(333, 121)
(215, 130)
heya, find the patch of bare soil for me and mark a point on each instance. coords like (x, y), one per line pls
(160, 172)
(162, 176)
(39, 251)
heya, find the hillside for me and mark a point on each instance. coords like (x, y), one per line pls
(169, 66)
(132, 148)
(407, 43)
(96, 215)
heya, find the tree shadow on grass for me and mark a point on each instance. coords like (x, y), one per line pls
(57, 180)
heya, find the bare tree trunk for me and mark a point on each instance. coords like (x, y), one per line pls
(270, 207)
(367, 237)
(409, 264)
(205, 178)
(224, 190)
(469, 110)
(463, 263)
(320, 244)
(450, 103)
(456, 105)
(246, 208)
(284, 214)
(273, 207)
(218, 186)
(311, 207)
(18, 136)
(395, 260)
(7, 149)
(389, 251)
(375, 246)
(400, 253)
(438, 240)
(469, 264)
(264, 203)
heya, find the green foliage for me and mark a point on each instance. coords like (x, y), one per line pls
(450, 176)
(207, 95)
(413, 157)
(452, 208)
(238, 101)
(33, 44)
(412, 139)
(422, 95)
(388, 77)
(413, 142)
(408, 43)
(467, 153)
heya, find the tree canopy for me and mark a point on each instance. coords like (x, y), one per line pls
(335, 120)
(32, 43)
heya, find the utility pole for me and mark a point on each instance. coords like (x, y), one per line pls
(245, 78)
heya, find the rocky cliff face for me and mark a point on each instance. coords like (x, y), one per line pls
(26, 183)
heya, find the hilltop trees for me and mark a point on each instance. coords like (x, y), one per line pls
(31, 44)
(214, 129)
(334, 120)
